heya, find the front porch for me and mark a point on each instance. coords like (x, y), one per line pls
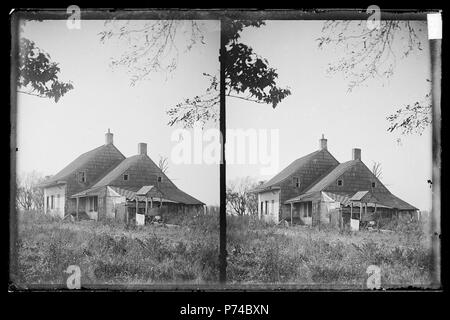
(356, 211)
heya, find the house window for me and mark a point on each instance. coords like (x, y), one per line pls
(82, 176)
(296, 181)
(93, 205)
(267, 205)
(125, 177)
(272, 207)
(340, 182)
(52, 202)
(374, 184)
(48, 202)
(159, 179)
(262, 207)
(57, 201)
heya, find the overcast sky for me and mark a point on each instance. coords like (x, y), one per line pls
(320, 104)
(50, 135)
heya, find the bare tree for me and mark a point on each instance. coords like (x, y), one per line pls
(163, 164)
(28, 194)
(239, 198)
(373, 53)
(376, 170)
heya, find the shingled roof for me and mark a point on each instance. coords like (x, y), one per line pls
(291, 169)
(331, 176)
(143, 171)
(385, 199)
(100, 154)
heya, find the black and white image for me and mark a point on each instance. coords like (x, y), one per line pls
(214, 149)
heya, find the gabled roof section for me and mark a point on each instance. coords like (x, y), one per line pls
(331, 176)
(115, 173)
(291, 169)
(144, 172)
(79, 162)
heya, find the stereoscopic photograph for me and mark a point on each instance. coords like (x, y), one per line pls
(221, 149)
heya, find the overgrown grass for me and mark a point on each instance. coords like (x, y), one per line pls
(326, 258)
(112, 253)
(258, 253)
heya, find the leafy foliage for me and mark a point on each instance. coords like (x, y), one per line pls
(412, 118)
(37, 74)
(200, 109)
(248, 76)
(152, 45)
(369, 53)
(373, 53)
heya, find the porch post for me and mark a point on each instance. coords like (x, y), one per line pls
(351, 210)
(360, 210)
(375, 215)
(146, 205)
(151, 202)
(292, 209)
(77, 206)
(137, 207)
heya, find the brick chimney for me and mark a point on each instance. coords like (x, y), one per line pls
(356, 154)
(108, 137)
(142, 148)
(323, 143)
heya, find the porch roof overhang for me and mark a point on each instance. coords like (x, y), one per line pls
(344, 199)
(140, 195)
(88, 192)
(382, 200)
(51, 183)
(266, 189)
(306, 197)
(149, 192)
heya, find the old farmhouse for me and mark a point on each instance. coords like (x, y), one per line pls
(103, 183)
(317, 189)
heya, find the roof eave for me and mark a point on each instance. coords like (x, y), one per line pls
(260, 190)
(52, 183)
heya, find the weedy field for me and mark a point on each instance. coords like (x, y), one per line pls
(258, 253)
(326, 258)
(114, 254)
